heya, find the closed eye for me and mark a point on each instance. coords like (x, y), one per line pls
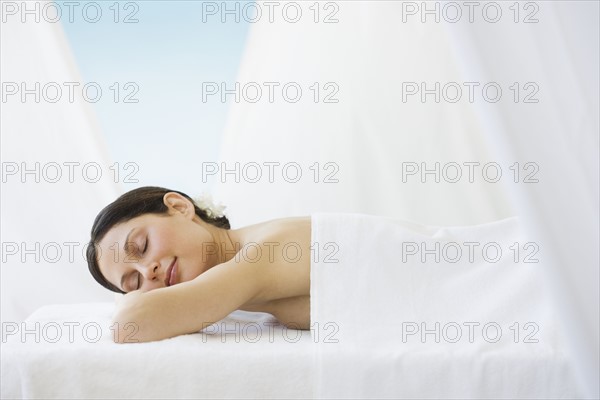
(139, 284)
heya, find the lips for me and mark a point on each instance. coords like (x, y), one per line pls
(170, 278)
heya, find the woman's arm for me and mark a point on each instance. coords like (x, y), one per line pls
(187, 307)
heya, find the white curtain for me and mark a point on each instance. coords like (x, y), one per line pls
(368, 136)
(560, 54)
(47, 213)
(372, 131)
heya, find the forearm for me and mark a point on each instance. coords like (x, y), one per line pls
(187, 307)
(161, 314)
(141, 318)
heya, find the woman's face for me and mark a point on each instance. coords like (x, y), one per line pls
(137, 254)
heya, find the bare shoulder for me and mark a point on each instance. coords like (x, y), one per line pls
(297, 226)
(281, 253)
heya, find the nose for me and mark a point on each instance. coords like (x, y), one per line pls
(151, 272)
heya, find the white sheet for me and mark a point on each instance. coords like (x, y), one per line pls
(376, 301)
(359, 345)
(212, 364)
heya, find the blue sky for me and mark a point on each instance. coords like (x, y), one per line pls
(167, 54)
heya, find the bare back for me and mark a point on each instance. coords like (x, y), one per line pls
(283, 255)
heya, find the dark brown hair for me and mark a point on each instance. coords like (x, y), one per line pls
(144, 200)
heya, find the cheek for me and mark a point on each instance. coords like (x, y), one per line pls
(189, 242)
(162, 242)
(178, 242)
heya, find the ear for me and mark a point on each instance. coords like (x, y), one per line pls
(179, 204)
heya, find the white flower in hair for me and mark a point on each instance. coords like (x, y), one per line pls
(205, 202)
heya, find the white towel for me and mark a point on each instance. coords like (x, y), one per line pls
(246, 355)
(405, 324)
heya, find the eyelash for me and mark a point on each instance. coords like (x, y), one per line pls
(143, 251)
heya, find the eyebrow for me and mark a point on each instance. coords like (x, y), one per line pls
(125, 250)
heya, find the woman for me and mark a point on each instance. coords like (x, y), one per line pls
(182, 268)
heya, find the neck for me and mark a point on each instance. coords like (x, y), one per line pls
(229, 241)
